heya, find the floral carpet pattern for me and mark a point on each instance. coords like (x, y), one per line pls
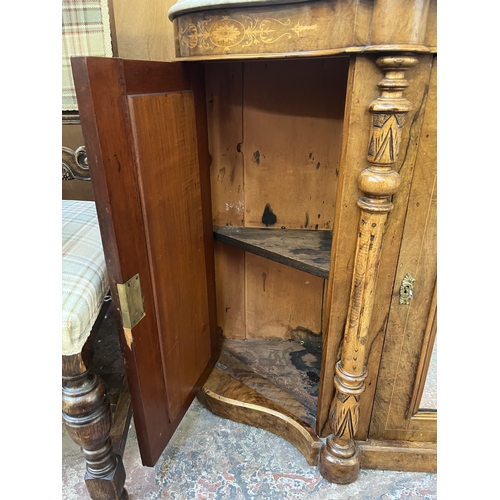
(211, 458)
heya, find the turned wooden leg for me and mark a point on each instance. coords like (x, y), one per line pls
(339, 457)
(87, 417)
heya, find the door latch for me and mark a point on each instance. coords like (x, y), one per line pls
(406, 289)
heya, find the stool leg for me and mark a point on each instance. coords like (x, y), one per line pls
(87, 416)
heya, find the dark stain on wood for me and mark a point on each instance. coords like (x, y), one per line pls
(256, 157)
(272, 360)
(308, 361)
(306, 224)
(269, 217)
(307, 337)
(310, 155)
(251, 377)
(318, 165)
(222, 174)
(119, 164)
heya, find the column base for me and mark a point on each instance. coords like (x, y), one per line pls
(339, 470)
(110, 487)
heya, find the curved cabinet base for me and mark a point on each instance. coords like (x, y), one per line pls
(229, 398)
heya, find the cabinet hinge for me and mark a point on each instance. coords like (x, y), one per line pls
(131, 301)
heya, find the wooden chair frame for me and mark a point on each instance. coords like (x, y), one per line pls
(86, 408)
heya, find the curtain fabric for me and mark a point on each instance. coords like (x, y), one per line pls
(85, 32)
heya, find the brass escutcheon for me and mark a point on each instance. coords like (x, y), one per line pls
(406, 289)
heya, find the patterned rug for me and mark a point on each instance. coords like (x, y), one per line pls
(213, 458)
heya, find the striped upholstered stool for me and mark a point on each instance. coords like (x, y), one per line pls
(86, 408)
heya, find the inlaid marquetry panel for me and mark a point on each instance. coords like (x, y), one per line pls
(320, 28)
(226, 33)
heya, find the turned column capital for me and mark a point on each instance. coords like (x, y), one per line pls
(379, 181)
(393, 84)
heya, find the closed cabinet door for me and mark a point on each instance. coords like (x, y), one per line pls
(405, 404)
(144, 126)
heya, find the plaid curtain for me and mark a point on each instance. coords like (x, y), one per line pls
(85, 32)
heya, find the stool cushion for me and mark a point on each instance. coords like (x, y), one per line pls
(84, 277)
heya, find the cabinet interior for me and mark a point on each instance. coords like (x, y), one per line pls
(275, 141)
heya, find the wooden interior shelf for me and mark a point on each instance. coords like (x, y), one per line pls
(305, 250)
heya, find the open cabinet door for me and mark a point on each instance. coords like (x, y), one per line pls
(144, 125)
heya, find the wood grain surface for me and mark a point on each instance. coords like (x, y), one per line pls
(398, 455)
(226, 396)
(357, 131)
(103, 86)
(281, 149)
(230, 362)
(167, 167)
(305, 29)
(307, 251)
(281, 300)
(407, 325)
(142, 30)
(291, 365)
(293, 114)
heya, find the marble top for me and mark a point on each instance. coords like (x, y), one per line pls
(184, 6)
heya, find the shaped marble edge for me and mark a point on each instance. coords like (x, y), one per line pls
(184, 6)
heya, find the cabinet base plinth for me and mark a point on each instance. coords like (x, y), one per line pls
(339, 470)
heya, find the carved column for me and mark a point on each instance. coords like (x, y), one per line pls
(87, 417)
(339, 458)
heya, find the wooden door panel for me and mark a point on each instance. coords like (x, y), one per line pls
(409, 326)
(168, 175)
(356, 134)
(135, 153)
